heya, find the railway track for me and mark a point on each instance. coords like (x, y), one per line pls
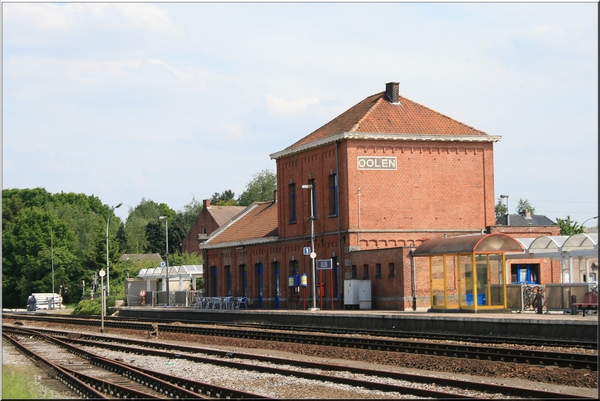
(399, 334)
(93, 376)
(271, 365)
(474, 352)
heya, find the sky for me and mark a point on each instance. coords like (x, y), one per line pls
(172, 102)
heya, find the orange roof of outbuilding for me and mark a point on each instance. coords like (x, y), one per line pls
(258, 222)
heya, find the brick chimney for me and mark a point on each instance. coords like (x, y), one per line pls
(206, 203)
(391, 91)
(525, 213)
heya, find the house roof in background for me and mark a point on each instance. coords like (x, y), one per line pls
(519, 220)
(222, 214)
(258, 222)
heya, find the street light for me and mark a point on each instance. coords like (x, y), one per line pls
(52, 258)
(591, 218)
(107, 267)
(102, 273)
(507, 212)
(313, 254)
(167, 246)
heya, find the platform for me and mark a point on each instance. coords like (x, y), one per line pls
(528, 324)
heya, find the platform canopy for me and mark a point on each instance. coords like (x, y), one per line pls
(482, 243)
(175, 272)
(557, 247)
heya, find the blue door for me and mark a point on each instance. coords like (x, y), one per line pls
(228, 280)
(215, 284)
(244, 280)
(277, 283)
(259, 284)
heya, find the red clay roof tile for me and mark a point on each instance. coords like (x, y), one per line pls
(376, 114)
(258, 221)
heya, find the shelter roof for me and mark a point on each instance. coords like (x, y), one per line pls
(140, 257)
(185, 271)
(564, 243)
(484, 243)
(559, 246)
(257, 223)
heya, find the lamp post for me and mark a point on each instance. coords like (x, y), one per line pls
(507, 212)
(52, 259)
(107, 266)
(313, 254)
(591, 218)
(102, 273)
(167, 246)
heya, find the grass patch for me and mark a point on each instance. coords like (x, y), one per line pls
(17, 383)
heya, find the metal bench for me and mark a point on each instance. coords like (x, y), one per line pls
(590, 302)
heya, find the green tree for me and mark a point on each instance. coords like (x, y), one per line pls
(32, 244)
(501, 209)
(155, 233)
(122, 237)
(260, 188)
(137, 220)
(569, 227)
(525, 205)
(224, 199)
(30, 197)
(190, 213)
(180, 259)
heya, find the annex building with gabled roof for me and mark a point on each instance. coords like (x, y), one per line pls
(210, 218)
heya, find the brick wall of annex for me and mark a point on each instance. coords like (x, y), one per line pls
(204, 221)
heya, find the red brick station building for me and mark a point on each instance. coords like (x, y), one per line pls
(381, 178)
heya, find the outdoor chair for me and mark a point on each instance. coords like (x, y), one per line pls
(241, 301)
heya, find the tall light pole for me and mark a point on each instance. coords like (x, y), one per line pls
(52, 259)
(112, 209)
(507, 211)
(313, 254)
(591, 218)
(167, 246)
(103, 302)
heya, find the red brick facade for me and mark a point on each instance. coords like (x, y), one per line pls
(209, 220)
(387, 176)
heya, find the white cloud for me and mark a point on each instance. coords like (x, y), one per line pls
(73, 18)
(551, 31)
(134, 16)
(285, 107)
(45, 17)
(230, 131)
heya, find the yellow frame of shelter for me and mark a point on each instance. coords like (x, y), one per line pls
(468, 272)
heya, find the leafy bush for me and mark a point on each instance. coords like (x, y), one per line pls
(88, 307)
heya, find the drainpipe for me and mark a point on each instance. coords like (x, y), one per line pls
(339, 226)
(414, 279)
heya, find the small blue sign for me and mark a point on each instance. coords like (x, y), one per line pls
(324, 264)
(306, 250)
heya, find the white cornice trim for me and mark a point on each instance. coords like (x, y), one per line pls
(235, 244)
(386, 137)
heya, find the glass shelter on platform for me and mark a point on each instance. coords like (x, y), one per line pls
(468, 272)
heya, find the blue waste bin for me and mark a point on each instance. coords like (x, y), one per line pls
(480, 299)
